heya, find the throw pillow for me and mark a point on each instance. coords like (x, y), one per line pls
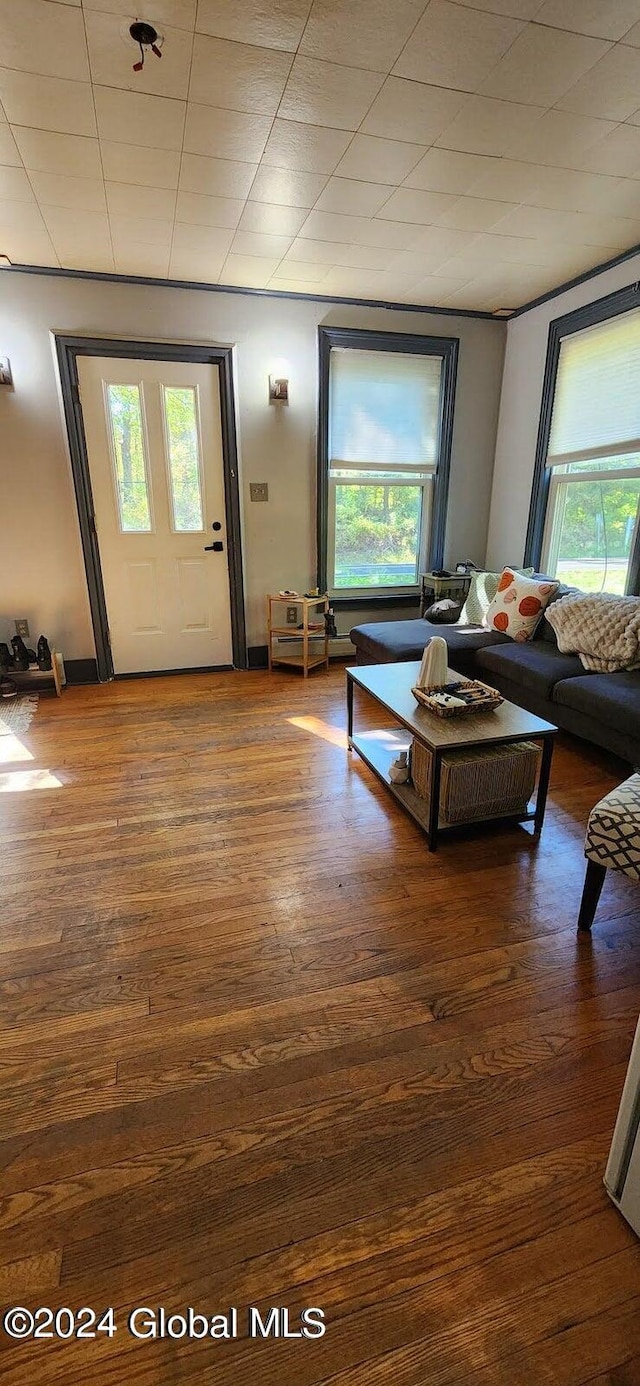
(446, 611)
(480, 596)
(518, 605)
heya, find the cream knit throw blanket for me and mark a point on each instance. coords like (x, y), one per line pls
(603, 630)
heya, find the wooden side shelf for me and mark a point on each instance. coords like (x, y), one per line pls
(304, 645)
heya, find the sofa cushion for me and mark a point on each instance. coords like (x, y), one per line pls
(388, 642)
(518, 605)
(610, 698)
(537, 665)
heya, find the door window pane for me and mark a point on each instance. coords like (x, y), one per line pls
(127, 432)
(377, 535)
(593, 528)
(183, 450)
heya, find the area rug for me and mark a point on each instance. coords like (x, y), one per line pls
(16, 714)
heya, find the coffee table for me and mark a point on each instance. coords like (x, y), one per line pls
(389, 685)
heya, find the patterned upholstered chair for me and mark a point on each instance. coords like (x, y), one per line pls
(612, 843)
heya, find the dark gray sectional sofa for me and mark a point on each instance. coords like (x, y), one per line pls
(603, 708)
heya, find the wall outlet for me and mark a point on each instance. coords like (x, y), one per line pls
(292, 615)
(22, 628)
(258, 491)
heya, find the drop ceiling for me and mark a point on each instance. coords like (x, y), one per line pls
(464, 155)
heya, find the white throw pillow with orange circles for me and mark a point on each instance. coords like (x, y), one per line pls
(518, 605)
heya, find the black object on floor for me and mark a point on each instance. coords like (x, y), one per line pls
(44, 653)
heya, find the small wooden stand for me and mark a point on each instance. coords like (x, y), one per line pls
(433, 589)
(303, 645)
(33, 680)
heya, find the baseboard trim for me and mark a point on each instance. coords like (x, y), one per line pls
(81, 671)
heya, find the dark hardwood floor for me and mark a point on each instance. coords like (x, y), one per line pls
(258, 1047)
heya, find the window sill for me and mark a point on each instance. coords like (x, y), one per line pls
(380, 601)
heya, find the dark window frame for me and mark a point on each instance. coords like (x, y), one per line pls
(360, 339)
(601, 310)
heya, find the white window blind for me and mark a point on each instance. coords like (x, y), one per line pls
(596, 411)
(384, 410)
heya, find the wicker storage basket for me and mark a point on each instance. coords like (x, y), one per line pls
(479, 781)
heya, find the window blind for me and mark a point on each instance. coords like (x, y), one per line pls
(384, 409)
(596, 410)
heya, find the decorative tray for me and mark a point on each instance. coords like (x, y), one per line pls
(457, 699)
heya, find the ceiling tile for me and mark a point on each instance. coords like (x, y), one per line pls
(353, 197)
(379, 161)
(92, 258)
(329, 226)
(253, 243)
(209, 242)
(45, 38)
(621, 232)
(8, 148)
(441, 243)
(124, 199)
(622, 200)
(271, 219)
(610, 89)
(61, 190)
(194, 209)
(610, 20)
(201, 268)
(74, 227)
(562, 139)
(237, 76)
(434, 290)
(154, 121)
(408, 204)
(484, 126)
(362, 256)
(542, 65)
(27, 247)
(133, 163)
(633, 36)
(413, 265)
(47, 103)
(141, 229)
(51, 153)
(300, 271)
(284, 187)
(367, 33)
(216, 177)
(248, 271)
(516, 9)
(14, 185)
(21, 215)
(617, 153)
(412, 111)
(112, 54)
(505, 180)
(446, 170)
(296, 286)
(570, 191)
(456, 47)
(474, 214)
(317, 252)
(225, 134)
(540, 222)
(271, 26)
(307, 148)
(181, 13)
(327, 94)
(391, 235)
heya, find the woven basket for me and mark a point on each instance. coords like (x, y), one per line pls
(479, 781)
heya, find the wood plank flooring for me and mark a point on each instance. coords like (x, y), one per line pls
(259, 1047)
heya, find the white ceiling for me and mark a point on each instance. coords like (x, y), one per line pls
(471, 154)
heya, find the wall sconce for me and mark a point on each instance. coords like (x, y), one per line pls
(278, 390)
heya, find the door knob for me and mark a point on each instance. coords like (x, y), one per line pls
(217, 546)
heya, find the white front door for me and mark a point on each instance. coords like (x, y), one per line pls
(154, 445)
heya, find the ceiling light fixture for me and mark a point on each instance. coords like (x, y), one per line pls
(146, 37)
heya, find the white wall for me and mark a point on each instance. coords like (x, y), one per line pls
(41, 567)
(520, 405)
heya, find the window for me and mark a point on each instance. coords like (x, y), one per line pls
(183, 456)
(591, 484)
(383, 455)
(124, 411)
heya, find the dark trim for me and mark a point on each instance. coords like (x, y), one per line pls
(81, 671)
(258, 657)
(168, 673)
(380, 603)
(68, 349)
(601, 310)
(579, 279)
(252, 293)
(409, 343)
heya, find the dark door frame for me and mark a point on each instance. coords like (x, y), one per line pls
(68, 349)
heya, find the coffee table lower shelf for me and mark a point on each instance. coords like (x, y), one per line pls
(379, 748)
